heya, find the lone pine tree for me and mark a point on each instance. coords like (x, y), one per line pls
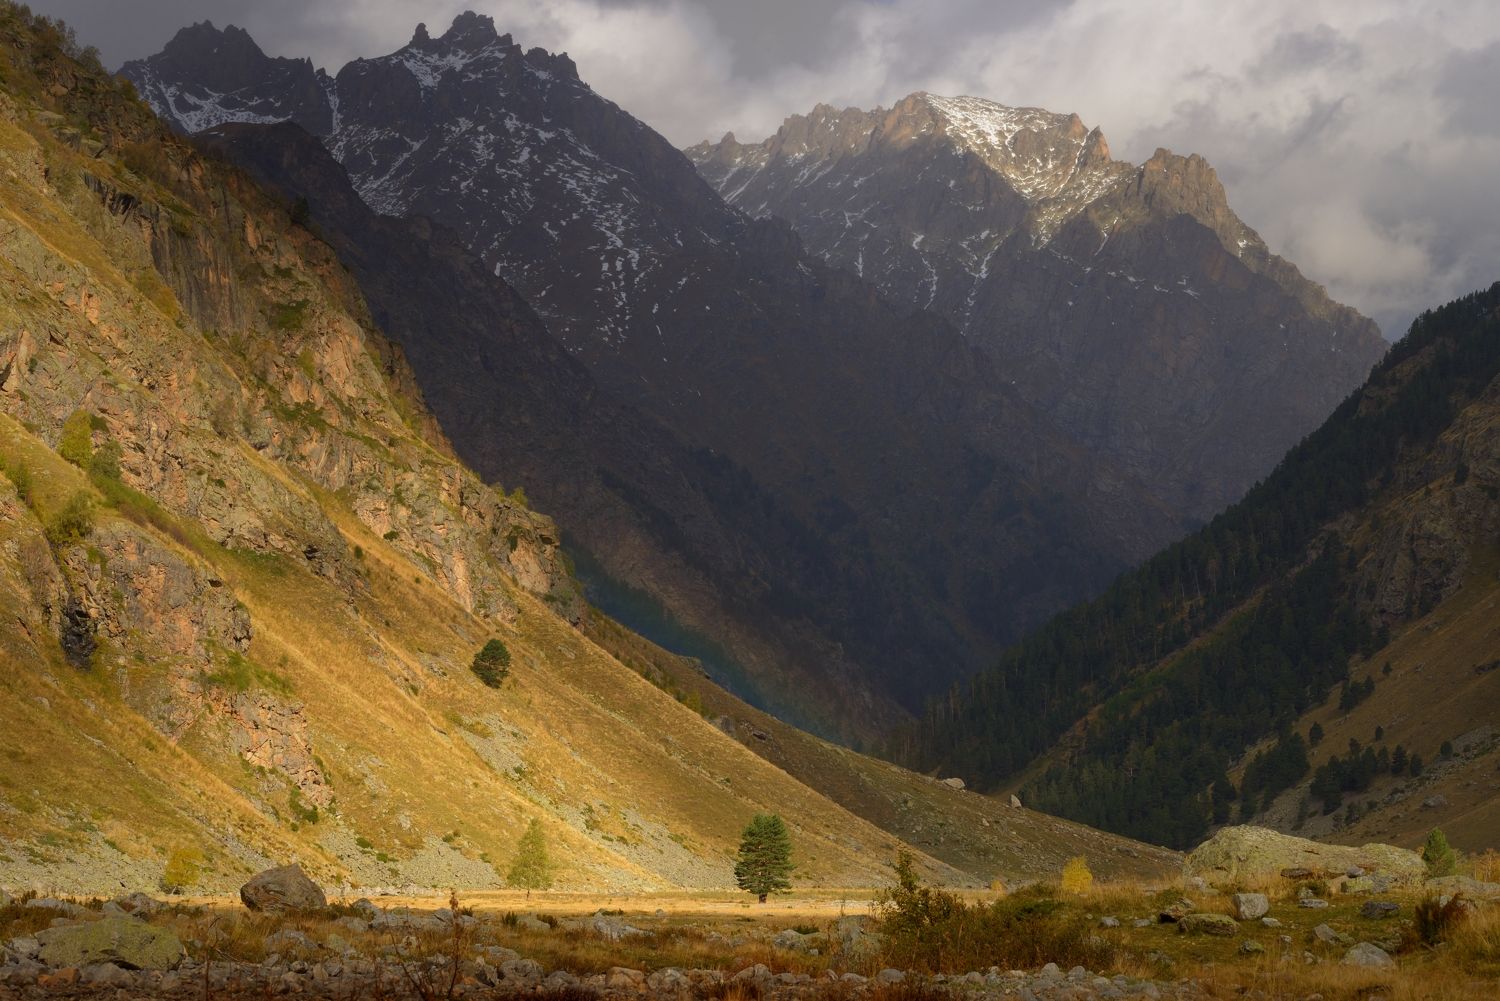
(492, 663)
(765, 858)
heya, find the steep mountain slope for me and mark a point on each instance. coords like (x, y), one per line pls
(548, 425)
(244, 577)
(974, 833)
(1126, 302)
(897, 511)
(1372, 542)
(1441, 690)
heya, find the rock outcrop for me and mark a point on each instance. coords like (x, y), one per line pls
(1235, 854)
(125, 942)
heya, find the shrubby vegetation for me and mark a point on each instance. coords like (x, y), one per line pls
(935, 931)
(492, 663)
(1222, 638)
(532, 866)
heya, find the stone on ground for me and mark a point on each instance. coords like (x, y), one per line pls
(1249, 906)
(1206, 924)
(287, 888)
(1368, 954)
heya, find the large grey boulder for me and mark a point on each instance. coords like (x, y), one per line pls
(287, 888)
(1471, 888)
(1239, 854)
(125, 942)
(1249, 906)
(1368, 954)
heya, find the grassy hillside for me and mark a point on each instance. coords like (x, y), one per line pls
(980, 835)
(1129, 712)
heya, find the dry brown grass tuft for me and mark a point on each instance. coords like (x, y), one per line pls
(1486, 866)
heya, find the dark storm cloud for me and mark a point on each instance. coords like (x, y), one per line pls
(1302, 51)
(1360, 137)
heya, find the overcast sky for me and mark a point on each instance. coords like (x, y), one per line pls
(1360, 137)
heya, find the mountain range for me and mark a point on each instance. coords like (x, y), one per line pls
(1126, 302)
(865, 499)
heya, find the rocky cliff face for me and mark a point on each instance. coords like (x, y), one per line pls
(1128, 303)
(875, 507)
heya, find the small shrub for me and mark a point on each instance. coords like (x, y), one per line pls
(106, 461)
(1434, 920)
(289, 316)
(183, 869)
(935, 931)
(531, 869)
(492, 664)
(1076, 877)
(1487, 866)
(74, 522)
(20, 478)
(1440, 858)
(77, 441)
(306, 813)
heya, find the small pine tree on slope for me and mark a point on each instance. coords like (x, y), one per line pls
(1440, 858)
(765, 857)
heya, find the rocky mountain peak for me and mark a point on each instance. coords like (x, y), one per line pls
(472, 31)
(1039, 152)
(206, 76)
(222, 57)
(204, 37)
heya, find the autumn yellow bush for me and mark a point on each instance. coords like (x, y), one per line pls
(1076, 877)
